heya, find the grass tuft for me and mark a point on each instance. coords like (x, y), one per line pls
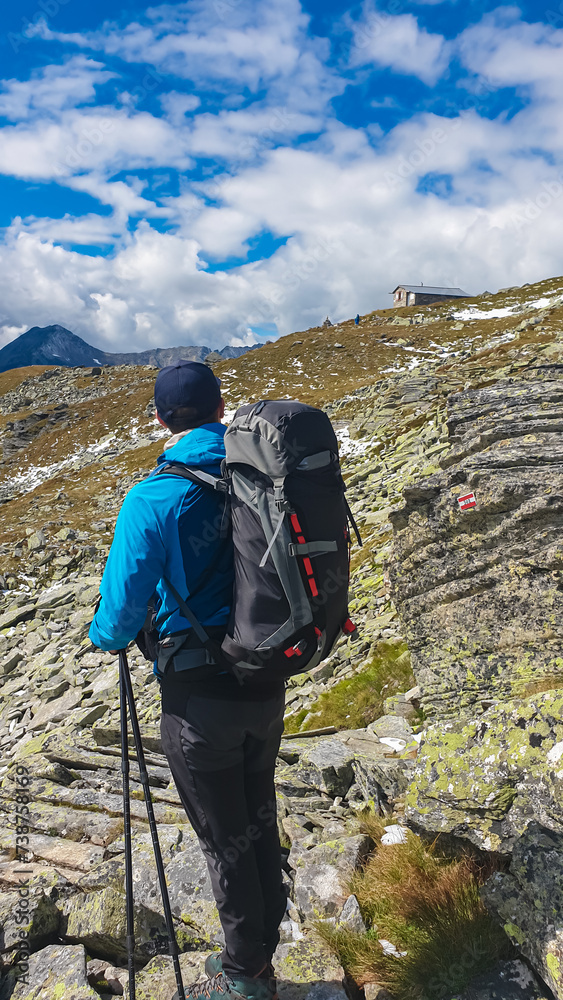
(355, 702)
(427, 905)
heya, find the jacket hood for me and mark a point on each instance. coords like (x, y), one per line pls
(201, 447)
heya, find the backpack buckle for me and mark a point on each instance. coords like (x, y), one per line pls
(281, 501)
(298, 649)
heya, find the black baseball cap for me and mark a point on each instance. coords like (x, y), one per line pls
(187, 383)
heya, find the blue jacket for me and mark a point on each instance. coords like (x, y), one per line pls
(167, 527)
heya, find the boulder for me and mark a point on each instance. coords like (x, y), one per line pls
(56, 710)
(187, 877)
(327, 766)
(528, 901)
(487, 776)
(36, 541)
(191, 895)
(346, 853)
(391, 726)
(308, 970)
(318, 890)
(381, 782)
(10, 661)
(157, 980)
(351, 916)
(107, 978)
(476, 575)
(97, 920)
(478, 587)
(507, 981)
(321, 874)
(380, 775)
(56, 971)
(60, 851)
(30, 912)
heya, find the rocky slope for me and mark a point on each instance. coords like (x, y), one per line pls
(481, 595)
(428, 403)
(53, 345)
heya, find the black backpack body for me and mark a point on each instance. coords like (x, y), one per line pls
(291, 538)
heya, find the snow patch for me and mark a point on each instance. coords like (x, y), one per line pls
(348, 447)
(36, 475)
(474, 313)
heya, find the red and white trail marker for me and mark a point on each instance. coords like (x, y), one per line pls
(467, 501)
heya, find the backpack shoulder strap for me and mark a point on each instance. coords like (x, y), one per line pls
(196, 476)
(200, 478)
(187, 613)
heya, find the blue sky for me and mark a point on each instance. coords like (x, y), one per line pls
(220, 171)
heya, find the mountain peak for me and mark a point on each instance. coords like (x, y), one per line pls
(55, 345)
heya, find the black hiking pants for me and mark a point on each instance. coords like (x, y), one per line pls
(222, 755)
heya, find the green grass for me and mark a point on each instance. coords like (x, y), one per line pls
(355, 702)
(427, 905)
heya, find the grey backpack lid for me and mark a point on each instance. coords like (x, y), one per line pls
(275, 436)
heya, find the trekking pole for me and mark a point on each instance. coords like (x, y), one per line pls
(130, 916)
(173, 944)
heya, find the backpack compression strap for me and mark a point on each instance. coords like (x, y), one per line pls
(353, 523)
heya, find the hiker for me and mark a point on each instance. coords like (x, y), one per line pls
(221, 738)
(357, 319)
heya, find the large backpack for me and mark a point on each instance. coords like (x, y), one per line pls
(290, 531)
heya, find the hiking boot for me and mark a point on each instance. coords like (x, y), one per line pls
(214, 966)
(222, 987)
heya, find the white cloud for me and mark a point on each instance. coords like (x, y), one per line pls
(238, 43)
(352, 239)
(89, 141)
(397, 42)
(90, 230)
(176, 106)
(514, 53)
(52, 89)
(464, 201)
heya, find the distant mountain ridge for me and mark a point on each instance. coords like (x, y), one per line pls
(54, 345)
